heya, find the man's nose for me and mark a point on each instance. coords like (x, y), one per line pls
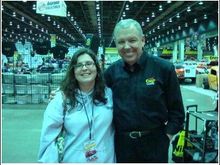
(127, 45)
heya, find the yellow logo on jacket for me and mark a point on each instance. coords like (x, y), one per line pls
(150, 81)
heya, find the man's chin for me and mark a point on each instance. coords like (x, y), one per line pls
(130, 61)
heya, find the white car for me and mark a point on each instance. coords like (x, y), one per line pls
(190, 70)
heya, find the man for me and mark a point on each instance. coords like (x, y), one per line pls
(148, 107)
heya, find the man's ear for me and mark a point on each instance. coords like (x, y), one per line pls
(143, 40)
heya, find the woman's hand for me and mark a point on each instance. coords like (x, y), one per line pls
(52, 94)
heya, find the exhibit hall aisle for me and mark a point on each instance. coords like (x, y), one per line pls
(21, 125)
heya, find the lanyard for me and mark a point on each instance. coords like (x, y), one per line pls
(90, 123)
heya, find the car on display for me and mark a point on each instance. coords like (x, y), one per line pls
(190, 70)
(213, 78)
(202, 68)
(186, 70)
(179, 68)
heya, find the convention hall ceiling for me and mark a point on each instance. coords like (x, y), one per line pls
(20, 20)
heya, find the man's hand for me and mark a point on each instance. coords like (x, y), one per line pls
(52, 94)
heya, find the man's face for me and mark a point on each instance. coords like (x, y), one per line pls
(129, 44)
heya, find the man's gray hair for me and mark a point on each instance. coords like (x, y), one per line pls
(126, 23)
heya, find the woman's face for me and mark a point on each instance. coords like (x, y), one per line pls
(85, 70)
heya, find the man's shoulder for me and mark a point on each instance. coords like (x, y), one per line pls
(116, 64)
(159, 61)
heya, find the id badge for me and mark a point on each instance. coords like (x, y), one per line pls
(90, 151)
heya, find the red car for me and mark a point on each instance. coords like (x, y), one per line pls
(179, 71)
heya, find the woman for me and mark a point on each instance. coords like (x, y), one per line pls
(88, 119)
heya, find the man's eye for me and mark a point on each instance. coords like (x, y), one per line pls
(132, 41)
(120, 42)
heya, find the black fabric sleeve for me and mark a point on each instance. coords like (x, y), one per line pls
(176, 114)
(108, 77)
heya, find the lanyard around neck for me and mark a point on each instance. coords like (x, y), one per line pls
(90, 122)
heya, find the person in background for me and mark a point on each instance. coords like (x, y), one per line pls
(32, 60)
(147, 101)
(88, 118)
(4, 62)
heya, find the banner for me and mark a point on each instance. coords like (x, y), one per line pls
(53, 40)
(51, 7)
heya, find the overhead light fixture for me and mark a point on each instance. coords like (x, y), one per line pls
(127, 7)
(200, 3)
(124, 14)
(153, 14)
(195, 20)
(34, 7)
(148, 19)
(178, 15)
(188, 9)
(97, 6)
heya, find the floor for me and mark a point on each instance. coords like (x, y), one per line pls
(21, 124)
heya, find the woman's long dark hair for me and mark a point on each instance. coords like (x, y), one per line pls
(70, 84)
